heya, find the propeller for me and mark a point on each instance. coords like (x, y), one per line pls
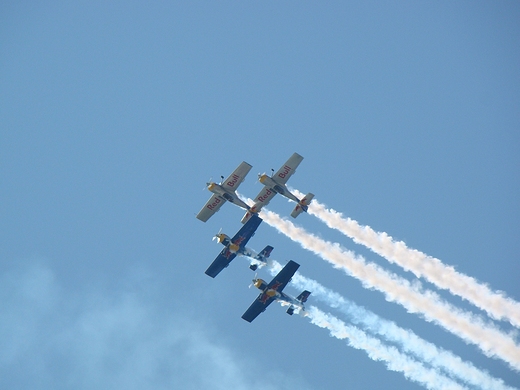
(254, 280)
(207, 184)
(216, 236)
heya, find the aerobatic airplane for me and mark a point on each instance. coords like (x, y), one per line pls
(273, 291)
(226, 190)
(275, 184)
(237, 246)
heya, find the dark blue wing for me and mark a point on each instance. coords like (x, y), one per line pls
(247, 231)
(284, 276)
(222, 261)
(257, 307)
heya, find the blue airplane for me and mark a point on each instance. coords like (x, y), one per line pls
(237, 246)
(273, 291)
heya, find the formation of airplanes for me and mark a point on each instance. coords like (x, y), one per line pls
(226, 191)
(274, 184)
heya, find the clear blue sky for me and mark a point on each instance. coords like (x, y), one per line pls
(114, 115)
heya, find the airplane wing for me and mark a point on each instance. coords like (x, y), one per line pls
(222, 261)
(237, 177)
(211, 207)
(257, 307)
(247, 231)
(284, 276)
(286, 171)
(264, 299)
(263, 198)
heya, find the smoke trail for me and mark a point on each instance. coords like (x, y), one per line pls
(465, 325)
(408, 340)
(496, 304)
(394, 360)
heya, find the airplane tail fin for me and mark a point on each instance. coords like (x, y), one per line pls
(266, 252)
(303, 296)
(249, 213)
(262, 256)
(246, 217)
(302, 205)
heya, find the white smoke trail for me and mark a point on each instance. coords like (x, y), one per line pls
(394, 360)
(496, 304)
(470, 328)
(406, 339)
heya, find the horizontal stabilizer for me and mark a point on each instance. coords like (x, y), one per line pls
(249, 213)
(302, 205)
(303, 296)
(246, 216)
(266, 252)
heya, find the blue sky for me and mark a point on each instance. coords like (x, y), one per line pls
(113, 116)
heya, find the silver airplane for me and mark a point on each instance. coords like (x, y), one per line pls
(225, 191)
(275, 184)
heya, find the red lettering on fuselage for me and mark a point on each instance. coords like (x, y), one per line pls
(211, 206)
(264, 197)
(233, 181)
(286, 170)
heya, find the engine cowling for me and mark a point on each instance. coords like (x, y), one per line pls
(221, 238)
(263, 178)
(260, 284)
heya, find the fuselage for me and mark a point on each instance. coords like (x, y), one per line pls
(277, 187)
(230, 196)
(278, 295)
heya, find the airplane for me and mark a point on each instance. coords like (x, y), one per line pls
(226, 190)
(275, 184)
(273, 291)
(237, 246)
